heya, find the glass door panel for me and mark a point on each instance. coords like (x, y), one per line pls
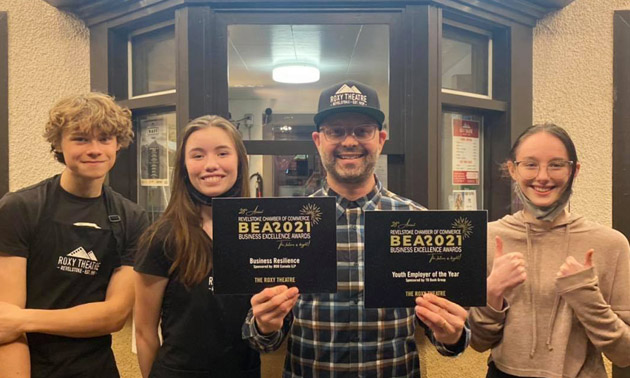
(294, 175)
(265, 108)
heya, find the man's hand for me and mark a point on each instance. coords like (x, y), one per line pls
(10, 324)
(271, 305)
(508, 272)
(445, 318)
(572, 266)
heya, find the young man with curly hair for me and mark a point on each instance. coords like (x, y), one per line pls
(67, 247)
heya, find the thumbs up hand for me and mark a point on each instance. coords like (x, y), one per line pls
(572, 266)
(508, 271)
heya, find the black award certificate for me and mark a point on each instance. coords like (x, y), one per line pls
(410, 253)
(263, 242)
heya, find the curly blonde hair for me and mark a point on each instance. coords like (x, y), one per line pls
(89, 113)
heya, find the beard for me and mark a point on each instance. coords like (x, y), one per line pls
(358, 174)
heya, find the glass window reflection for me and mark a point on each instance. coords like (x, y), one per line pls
(293, 175)
(264, 109)
(465, 61)
(153, 62)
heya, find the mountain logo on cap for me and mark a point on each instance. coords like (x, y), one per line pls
(346, 89)
(347, 95)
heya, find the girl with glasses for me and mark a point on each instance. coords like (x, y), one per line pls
(558, 284)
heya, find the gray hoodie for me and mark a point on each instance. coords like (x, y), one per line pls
(558, 327)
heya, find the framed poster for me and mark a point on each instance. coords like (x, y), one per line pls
(465, 152)
(153, 149)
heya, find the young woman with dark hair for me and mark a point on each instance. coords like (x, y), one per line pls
(201, 331)
(558, 285)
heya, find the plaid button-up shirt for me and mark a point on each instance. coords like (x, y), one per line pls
(334, 335)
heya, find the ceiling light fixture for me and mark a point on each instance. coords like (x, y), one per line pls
(295, 74)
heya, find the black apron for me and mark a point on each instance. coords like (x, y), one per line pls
(68, 266)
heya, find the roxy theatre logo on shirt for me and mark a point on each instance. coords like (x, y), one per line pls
(348, 96)
(79, 261)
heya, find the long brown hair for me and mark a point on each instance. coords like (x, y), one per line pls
(181, 222)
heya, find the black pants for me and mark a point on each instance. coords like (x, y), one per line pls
(493, 372)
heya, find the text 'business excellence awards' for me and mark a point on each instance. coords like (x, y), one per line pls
(263, 242)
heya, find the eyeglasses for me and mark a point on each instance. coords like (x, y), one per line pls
(556, 169)
(362, 133)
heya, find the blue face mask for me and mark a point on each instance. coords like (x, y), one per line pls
(548, 213)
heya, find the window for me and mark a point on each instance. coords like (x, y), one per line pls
(265, 109)
(152, 66)
(140, 61)
(465, 61)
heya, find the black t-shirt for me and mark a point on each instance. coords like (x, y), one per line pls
(201, 331)
(71, 253)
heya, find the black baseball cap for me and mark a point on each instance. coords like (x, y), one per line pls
(349, 96)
